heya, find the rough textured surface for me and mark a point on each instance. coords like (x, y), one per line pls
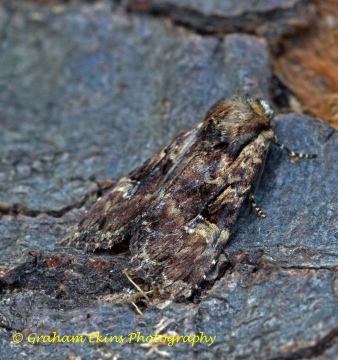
(269, 18)
(67, 278)
(87, 93)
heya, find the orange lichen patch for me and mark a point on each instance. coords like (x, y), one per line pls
(309, 64)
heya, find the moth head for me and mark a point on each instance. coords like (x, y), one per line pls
(238, 120)
(260, 107)
(260, 118)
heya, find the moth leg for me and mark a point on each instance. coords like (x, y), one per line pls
(256, 208)
(292, 153)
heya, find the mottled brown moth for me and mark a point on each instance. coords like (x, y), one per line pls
(178, 209)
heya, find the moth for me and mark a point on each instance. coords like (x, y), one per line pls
(178, 209)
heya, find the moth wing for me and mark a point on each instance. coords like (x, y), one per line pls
(116, 215)
(179, 241)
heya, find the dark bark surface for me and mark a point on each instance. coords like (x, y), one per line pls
(87, 92)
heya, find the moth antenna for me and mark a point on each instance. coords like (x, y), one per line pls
(292, 153)
(256, 208)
